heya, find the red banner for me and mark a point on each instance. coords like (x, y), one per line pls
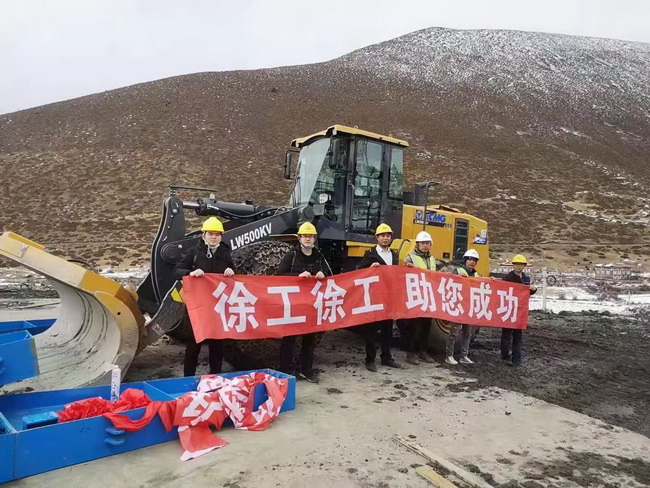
(257, 307)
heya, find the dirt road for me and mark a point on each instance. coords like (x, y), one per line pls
(589, 363)
(490, 418)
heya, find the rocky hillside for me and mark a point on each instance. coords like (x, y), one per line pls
(546, 136)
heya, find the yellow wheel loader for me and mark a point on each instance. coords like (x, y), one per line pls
(346, 181)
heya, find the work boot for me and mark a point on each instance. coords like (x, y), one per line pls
(411, 358)
(424, 356)
(391, 363)
(466, 360)
(451, 360)
(289, 371)
(371, 366)
(311, 376)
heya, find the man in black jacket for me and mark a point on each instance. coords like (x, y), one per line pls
(380, 255)
(210, 255)
(517, 275)
(305, 261)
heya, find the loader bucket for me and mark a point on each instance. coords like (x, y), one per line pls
(97, 328)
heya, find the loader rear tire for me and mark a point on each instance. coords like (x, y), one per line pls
(259, 258)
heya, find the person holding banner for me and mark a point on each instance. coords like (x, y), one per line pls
(380, 255)
(513, 336)
(417, 330)
(468, 270)
(305, 261)
(210, 255)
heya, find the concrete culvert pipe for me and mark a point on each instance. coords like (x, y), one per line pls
(98, 325)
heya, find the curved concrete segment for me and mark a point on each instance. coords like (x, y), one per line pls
(99, 325)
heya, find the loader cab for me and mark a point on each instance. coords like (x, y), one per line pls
(353, 178)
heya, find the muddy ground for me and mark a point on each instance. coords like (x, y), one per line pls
(591, 363)
(594, 364)
(490, 418)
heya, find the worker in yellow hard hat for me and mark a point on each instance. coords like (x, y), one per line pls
(210, 255)
(382, 253)
(379, 255)
(305, 261)
(511, 339)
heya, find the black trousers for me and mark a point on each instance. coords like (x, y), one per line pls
(416, 334)
(514, 336)
(385, 328)
(215, 356)
(306, 358)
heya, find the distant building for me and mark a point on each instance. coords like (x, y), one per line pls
(616, 271)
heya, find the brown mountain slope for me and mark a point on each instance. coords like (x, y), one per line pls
(545, 136)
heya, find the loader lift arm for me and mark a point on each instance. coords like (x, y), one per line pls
(247, 223)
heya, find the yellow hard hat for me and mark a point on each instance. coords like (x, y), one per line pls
(383, 229)
(212, 224)
(519, 259)
(307, 229)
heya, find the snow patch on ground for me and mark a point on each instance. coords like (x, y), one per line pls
(575, 299)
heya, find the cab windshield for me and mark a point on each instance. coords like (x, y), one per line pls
(313, 176)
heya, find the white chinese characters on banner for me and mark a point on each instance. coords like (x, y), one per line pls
(236, 310)
(328, 304)
(508, 305)
(250, 308)
(480, 301)
(451, 297)
(286, 318)
(419, 292)
(201, 407)
(367, 305)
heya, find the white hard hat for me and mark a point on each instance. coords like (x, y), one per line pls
(423, 237)
(471, 253)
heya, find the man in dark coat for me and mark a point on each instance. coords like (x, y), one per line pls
(210, 255)
(305, 261)
(380, 255)
(514, 336)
